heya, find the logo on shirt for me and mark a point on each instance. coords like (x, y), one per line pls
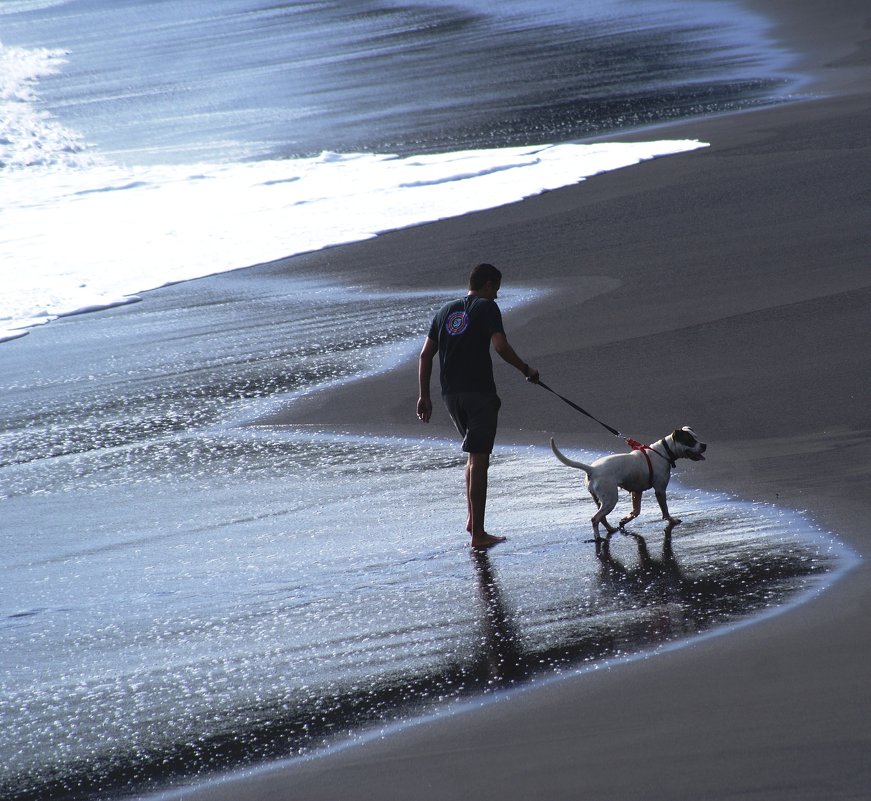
(456, 323)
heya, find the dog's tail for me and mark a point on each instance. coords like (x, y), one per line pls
(566, 461)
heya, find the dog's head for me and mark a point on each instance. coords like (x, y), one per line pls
(687, 444)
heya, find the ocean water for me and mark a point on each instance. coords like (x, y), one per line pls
(184, 594)
(145, 142)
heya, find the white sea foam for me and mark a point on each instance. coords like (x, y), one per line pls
(30, 136)
(78, 233)
(79, 238)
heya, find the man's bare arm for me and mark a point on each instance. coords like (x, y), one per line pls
(504, 349)
(424, 374)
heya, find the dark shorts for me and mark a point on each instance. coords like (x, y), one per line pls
(475, 415)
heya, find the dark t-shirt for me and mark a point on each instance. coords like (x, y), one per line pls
(463, 329)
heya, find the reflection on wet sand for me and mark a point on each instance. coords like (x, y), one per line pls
(284, 607)
(641, 597)
(501, 656)
(649, 580)
(653, 583)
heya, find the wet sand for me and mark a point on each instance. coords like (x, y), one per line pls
(727, 289)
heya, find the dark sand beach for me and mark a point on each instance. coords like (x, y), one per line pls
(728, 289)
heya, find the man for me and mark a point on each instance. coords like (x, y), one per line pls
(461, 333)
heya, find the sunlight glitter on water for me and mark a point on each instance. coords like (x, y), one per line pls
(312, 586)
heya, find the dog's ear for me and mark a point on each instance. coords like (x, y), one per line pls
(684, 437)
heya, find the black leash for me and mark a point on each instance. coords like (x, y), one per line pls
(575, 406)
(632, 443)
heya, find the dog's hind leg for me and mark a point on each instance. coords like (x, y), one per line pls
(606, 501)
(636, 509)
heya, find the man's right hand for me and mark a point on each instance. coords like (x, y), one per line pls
(424, 409)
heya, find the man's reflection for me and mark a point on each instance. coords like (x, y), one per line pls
(501, 656)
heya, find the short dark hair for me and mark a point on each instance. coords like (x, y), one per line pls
(481, 274)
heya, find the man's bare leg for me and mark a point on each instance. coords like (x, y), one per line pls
(477, 466)
(468, 474)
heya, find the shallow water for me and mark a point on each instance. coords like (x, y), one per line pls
(183, 595)
(262, 593)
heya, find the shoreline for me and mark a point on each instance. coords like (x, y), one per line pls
(726, 286)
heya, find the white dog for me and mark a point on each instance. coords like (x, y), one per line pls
(648, 467)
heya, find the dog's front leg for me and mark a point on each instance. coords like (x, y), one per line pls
(636, 509)
(663, 504)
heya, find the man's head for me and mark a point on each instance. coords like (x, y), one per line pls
(482, 275)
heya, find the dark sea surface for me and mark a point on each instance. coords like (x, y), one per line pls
(183, 595)
(159, 81)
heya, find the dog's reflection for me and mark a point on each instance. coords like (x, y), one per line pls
(653, 588)
(653, 583)
(500, 652)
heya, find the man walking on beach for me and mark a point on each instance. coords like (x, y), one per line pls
(461, 334)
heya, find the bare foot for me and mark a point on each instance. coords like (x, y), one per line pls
(486, 540)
